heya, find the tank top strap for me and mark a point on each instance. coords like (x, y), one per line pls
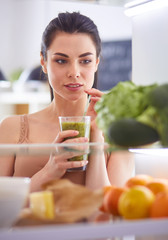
(24, 129)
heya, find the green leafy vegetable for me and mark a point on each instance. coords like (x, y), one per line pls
(158, 99)
(145, 104)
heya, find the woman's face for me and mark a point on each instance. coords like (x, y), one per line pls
(71, 64)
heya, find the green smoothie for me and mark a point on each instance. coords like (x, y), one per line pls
(84, 131)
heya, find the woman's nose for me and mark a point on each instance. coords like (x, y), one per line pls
(74, 71)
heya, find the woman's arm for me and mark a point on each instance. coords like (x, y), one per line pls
(7, 165)
(120, 167)
(9, 134)
(96, 173)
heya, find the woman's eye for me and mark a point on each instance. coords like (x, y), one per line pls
(60, 61)
(86, 61)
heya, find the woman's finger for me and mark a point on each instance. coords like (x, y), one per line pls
(91, 111)
(94, 92)
(77, 140)
(64, 153)
(65, 134)
(64, 165)
(95, 99)
(76, 164)
(61, 161)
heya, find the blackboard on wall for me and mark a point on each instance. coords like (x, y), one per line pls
(115, 64)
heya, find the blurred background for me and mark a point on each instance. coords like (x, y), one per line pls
(134, 46)
(23, 88)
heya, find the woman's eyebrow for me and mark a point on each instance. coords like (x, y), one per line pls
(65, 55)
(61, 54)
(85, 54)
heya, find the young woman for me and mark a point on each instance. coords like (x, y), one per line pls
(70, 52)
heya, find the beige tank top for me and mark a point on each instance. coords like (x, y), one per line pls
(24, 130)
(27, 166)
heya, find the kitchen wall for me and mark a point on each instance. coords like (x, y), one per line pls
(23, 21)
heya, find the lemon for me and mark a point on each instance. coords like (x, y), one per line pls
(135, 202)
(42, 204)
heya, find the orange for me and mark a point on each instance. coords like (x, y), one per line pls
(106, 189)
(140, 179)
(159, 207)
(135, 203)
(158, 185)
(110, 201)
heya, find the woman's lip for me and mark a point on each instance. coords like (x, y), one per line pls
(73, 87)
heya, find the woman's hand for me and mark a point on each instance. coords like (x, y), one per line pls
(96, 133)
(95, 97)
(58, 163)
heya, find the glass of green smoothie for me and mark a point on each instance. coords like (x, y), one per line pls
(81, 124)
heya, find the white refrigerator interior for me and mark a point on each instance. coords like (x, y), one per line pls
(150, 43)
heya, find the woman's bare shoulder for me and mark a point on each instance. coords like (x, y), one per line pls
(10, 129)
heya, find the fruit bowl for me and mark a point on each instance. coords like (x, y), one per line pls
(13, 195)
